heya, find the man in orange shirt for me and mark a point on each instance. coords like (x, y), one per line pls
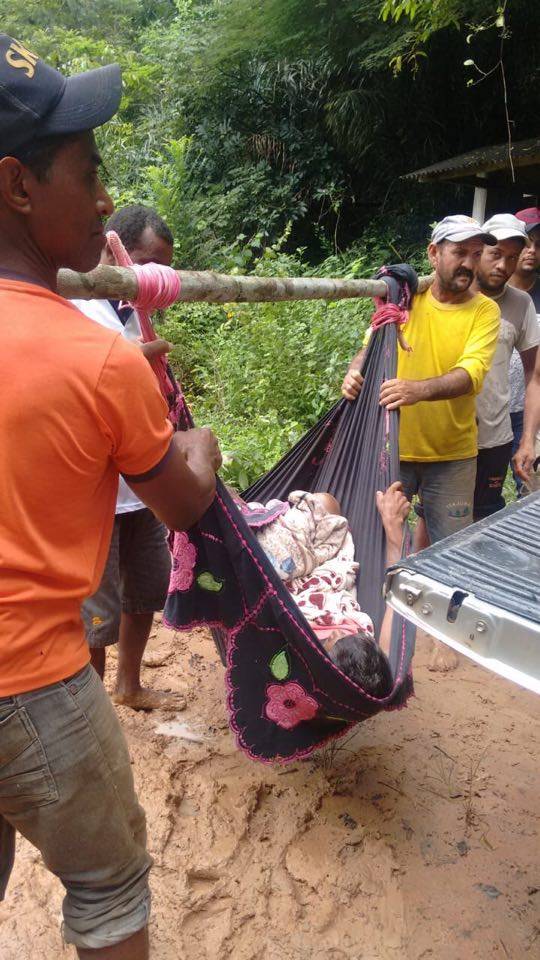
(78, 406)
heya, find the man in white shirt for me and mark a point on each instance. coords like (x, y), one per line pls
(518, 332)
(136, 578)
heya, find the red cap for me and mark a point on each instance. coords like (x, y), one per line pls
(530, 217)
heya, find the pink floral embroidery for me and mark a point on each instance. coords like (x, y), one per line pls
(288, 704)
(184, 555)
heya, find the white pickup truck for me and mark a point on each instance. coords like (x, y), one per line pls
(479, 591)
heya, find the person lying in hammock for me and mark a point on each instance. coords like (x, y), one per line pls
(311, 548)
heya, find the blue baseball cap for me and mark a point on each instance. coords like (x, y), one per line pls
(37, 101)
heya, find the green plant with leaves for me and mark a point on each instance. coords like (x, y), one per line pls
(273, 137)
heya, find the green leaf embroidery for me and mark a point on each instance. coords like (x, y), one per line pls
(280, 665)
(207, 581)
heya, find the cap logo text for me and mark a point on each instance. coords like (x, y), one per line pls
(21, 59)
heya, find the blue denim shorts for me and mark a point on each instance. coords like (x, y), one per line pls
(66, 785)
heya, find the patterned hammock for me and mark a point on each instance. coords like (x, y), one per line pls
(285, 696)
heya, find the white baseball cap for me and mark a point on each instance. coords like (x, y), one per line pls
(505, 226)
(459, 228)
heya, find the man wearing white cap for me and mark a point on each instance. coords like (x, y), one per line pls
(452, 331)
(519, 331)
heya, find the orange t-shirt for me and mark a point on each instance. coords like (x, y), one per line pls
(78, 405)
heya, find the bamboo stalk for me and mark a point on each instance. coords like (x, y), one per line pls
(120, 283)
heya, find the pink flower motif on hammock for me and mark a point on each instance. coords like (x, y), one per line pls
(184, 556)
(288, 704)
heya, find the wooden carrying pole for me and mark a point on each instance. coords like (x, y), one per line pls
(120, 283)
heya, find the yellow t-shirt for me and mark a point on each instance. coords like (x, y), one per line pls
(444, 336)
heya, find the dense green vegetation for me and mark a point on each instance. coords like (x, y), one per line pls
(272, 135)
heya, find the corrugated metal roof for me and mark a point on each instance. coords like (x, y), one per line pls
(483, 160)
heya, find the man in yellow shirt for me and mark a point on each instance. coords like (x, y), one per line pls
(452, 333)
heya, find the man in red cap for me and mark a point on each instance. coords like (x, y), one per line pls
(526, 276)
(78, 406)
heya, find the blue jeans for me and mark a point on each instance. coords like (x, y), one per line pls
(446, 493)
(66, 785)
(517, 429)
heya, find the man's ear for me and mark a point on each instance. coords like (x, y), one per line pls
(107, 257)
(13, 185)
(432, 254)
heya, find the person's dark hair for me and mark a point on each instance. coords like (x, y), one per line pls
(39, 155)
(131, 221)
(363, 661)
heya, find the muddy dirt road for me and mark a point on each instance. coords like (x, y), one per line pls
(416, 839)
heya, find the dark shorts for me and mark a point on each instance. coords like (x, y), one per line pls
(491, 469)
(135, 579)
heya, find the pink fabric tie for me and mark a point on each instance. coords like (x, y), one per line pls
(391, 313)
(158, 288)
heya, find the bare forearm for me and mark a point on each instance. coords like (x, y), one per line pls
(205, 481)
(528, 360)
(357, 362)
(456, 383)
(185, 486)
(393, 554)
(393, 508)
(353, 380)
(531, 420)
(201, 468)
(401, 393)
(385, 635)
